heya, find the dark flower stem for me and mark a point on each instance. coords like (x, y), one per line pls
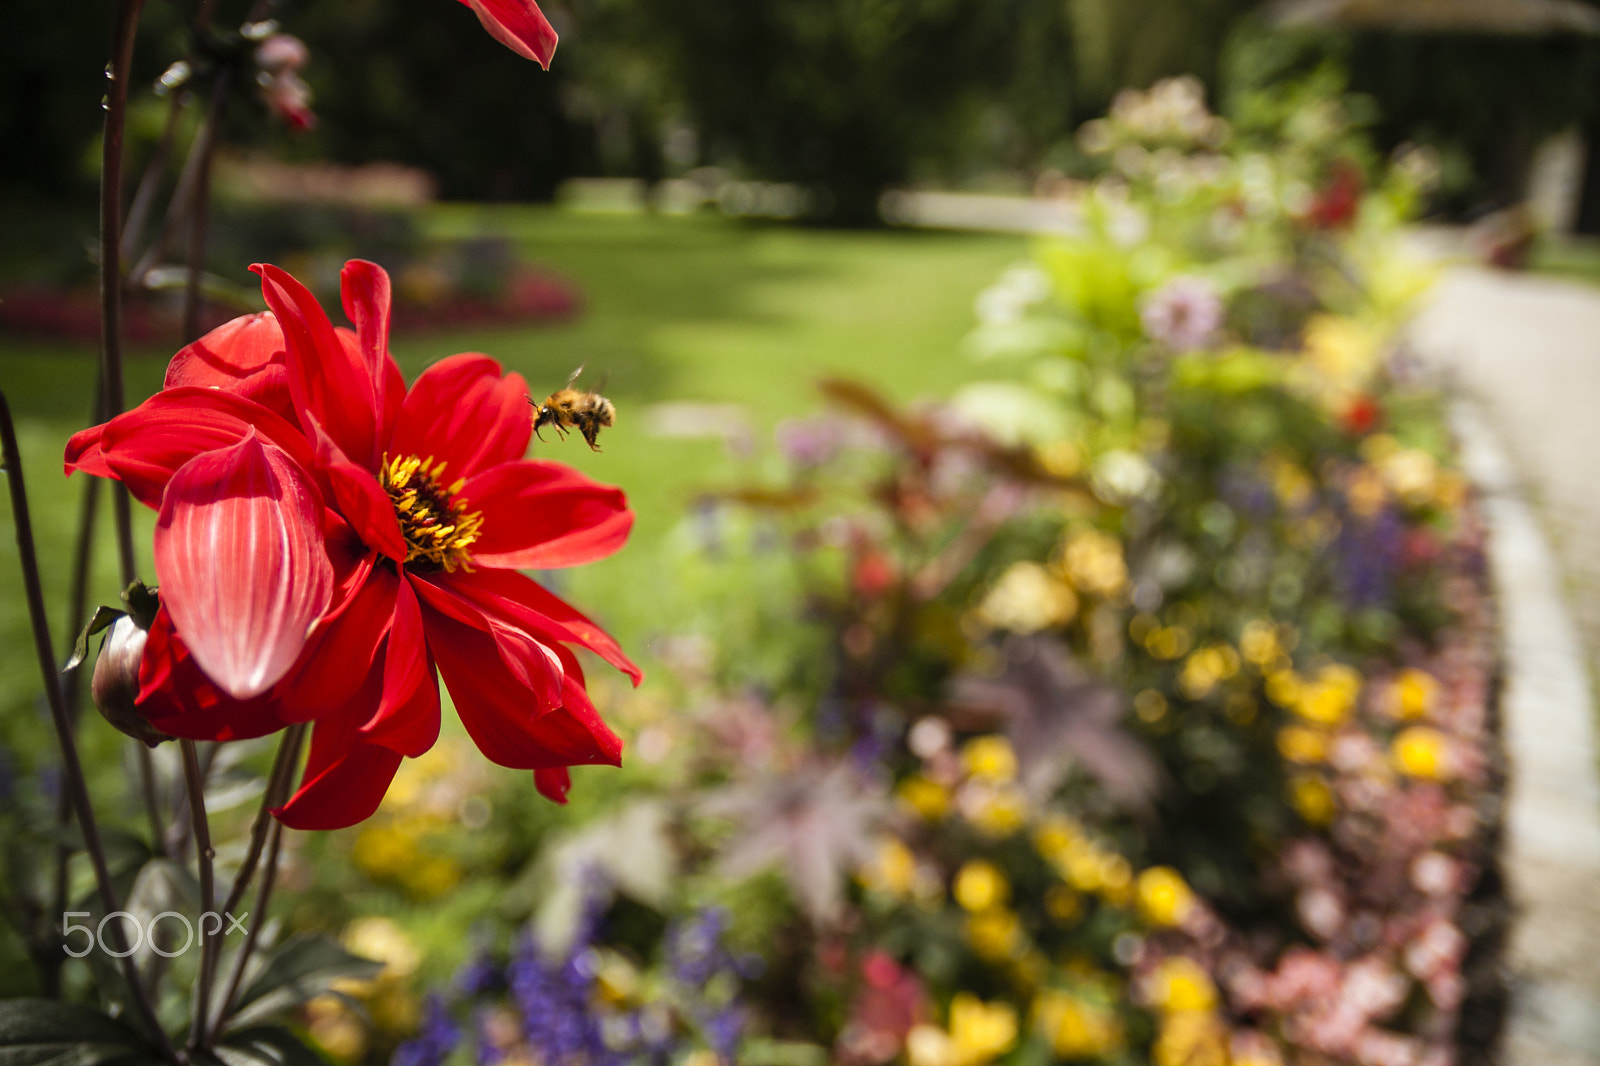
(242, 960)
(72, 768)
(118, 71)
(276, 793)
(270, 829)
(200, 203)
(145, 196)
(204, 856)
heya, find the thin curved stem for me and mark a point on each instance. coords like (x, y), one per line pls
(200, 204)
(277, 794)
(118, 71)
(72, 767)
(204, 858)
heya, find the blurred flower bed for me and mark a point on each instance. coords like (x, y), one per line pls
(1132, 706)
(311, 219)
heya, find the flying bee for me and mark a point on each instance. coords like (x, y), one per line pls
(570, 408)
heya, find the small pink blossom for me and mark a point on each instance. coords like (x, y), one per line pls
(1184, 314)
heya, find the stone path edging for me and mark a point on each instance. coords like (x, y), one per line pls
(1552, 838)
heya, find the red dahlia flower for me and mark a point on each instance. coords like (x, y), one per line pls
(328, 544)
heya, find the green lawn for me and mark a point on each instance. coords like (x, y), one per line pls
(678, 310)
(1575, 258)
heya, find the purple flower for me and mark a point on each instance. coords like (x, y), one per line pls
(438, 1037)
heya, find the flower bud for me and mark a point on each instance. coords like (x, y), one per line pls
(116, 681)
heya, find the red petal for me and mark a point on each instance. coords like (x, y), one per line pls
(364, 288)
(238, 549)
(501, 713)
(84, 453)
(462, 411)
(178, 699)
(245, 357)
(524, 602)
(147, 445)
(520, 26)
(344, 780)
(343, 650)
(541, 515)
(553, 784)
(362, 501)
(329, 382)
(534, 665)
(407, 718)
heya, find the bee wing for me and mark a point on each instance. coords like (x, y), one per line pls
(574, 376)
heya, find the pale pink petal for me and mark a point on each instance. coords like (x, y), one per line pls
(239, 552)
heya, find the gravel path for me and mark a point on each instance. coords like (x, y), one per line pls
(1524, 353)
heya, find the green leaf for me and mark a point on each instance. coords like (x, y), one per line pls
(295, 971)
(47, 1032)
(102, 619)
(267, 1045)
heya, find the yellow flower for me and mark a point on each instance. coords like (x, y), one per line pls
(980, 885)
(1116, 878)
(1190, 1038)
(1422, 752)
(1312, 798)
(1168, 642)
(892, 871)
(1329, 700)
(995, 934)
(1205, 668)
(617, 979)
(1366, 492)
(1150, 705)
(1055, 835)
(383, 941)
(336, 1028)
(384, 851)
(1284, 688)
(1412, 475)
(432, 877)
(1060, 458)
(1291, 484)
(1260, 643)
(1076, 1028)
(995, 811)
(928, 1045)
(1164, 897)
(1026, 599)
(1093, 563)
(1298, 744)
(990, 758)
(1415, 693)
(1180, 985)
(1343, 350)
(1063, 904)
(926, 797)
(981, 1031)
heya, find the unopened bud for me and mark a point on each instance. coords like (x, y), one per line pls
(116, 681)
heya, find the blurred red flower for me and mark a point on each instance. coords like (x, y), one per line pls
(519, 25)
(329, 544)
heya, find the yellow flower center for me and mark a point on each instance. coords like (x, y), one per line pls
(439, 530)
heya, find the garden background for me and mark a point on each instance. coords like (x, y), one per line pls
(1036, 688)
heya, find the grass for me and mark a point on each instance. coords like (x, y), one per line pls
(739, 320)
(1577, 259)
